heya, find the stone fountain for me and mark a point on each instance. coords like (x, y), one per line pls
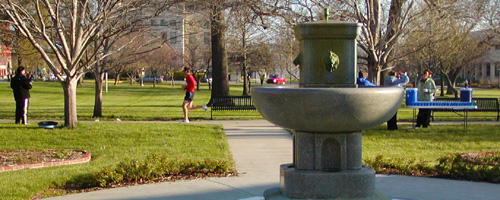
(327, 113)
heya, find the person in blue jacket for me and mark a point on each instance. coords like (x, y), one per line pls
(393, 80)
(361, 81)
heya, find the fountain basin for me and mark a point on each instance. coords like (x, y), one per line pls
(328, 110)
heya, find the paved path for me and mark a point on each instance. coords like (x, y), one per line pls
(258, 149)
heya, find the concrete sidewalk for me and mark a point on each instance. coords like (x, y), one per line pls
(258, 149)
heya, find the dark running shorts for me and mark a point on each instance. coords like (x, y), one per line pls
(189, 96)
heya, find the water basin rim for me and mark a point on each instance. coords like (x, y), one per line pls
(294, 88)
(330, 23)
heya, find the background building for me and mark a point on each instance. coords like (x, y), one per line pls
(5, 57)
(186, 29)
(486, 68)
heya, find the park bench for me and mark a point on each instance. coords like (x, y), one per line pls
(483, 105)
(230, 103)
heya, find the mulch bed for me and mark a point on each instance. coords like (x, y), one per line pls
(474, 157)
(20, 157)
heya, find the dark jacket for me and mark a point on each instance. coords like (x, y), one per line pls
(21, 86)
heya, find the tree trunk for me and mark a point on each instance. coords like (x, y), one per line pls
(245, 77)
(154, 73)
(70, 116)
(395, 15)
(451, 89)
(250, 83)
(172, 81)
(99, 73)
(373, 70)
(98, 95)
(451, 86)
(197, 78)
(442, 84)
(244, 65)
(131, 78)
(116, 79)
(220, 85)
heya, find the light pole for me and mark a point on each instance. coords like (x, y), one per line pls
(142, 76)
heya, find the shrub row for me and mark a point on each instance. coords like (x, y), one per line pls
(484, 168)
(154, 168)
(402, 166)
(161, 167)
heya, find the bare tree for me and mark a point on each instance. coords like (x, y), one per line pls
(217, 8)
(158, 59)
(286, 48)
(27, 56)
(244, 34)
(447, 40)
(381, 30)
(133, 70)
(21, 49)
(260, 9)
(220, 84)
(173, 62)
(491, 17)
(383, 24)
(118, 69)
(260, 59)
(67, 29)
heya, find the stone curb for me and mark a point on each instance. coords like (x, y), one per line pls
(86, 158)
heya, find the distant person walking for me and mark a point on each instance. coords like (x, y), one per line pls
(361, 81)
(426, 92)
(394, 81)
(188, 99)
(21, 84)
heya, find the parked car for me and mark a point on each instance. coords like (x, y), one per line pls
(275, 79)
(150, 79)
(206, 80)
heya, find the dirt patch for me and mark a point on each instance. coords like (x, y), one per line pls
(22, 157)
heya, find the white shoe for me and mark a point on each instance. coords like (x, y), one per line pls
(184, 122)
(204, 106)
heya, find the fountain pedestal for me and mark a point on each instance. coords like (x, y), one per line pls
(326, 166)
(327, 138)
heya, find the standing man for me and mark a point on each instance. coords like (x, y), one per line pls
(392, 80)
(188, 99)
(21, 84)
(426, 91)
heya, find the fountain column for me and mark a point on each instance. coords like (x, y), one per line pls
(328, 53)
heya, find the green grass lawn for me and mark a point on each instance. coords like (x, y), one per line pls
(431, 143)
(109, 144)
(124, 101)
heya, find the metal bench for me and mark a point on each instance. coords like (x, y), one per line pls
(483, 105)
(230, 103)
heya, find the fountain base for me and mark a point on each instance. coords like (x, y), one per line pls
(275, 194)
(315, 184)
